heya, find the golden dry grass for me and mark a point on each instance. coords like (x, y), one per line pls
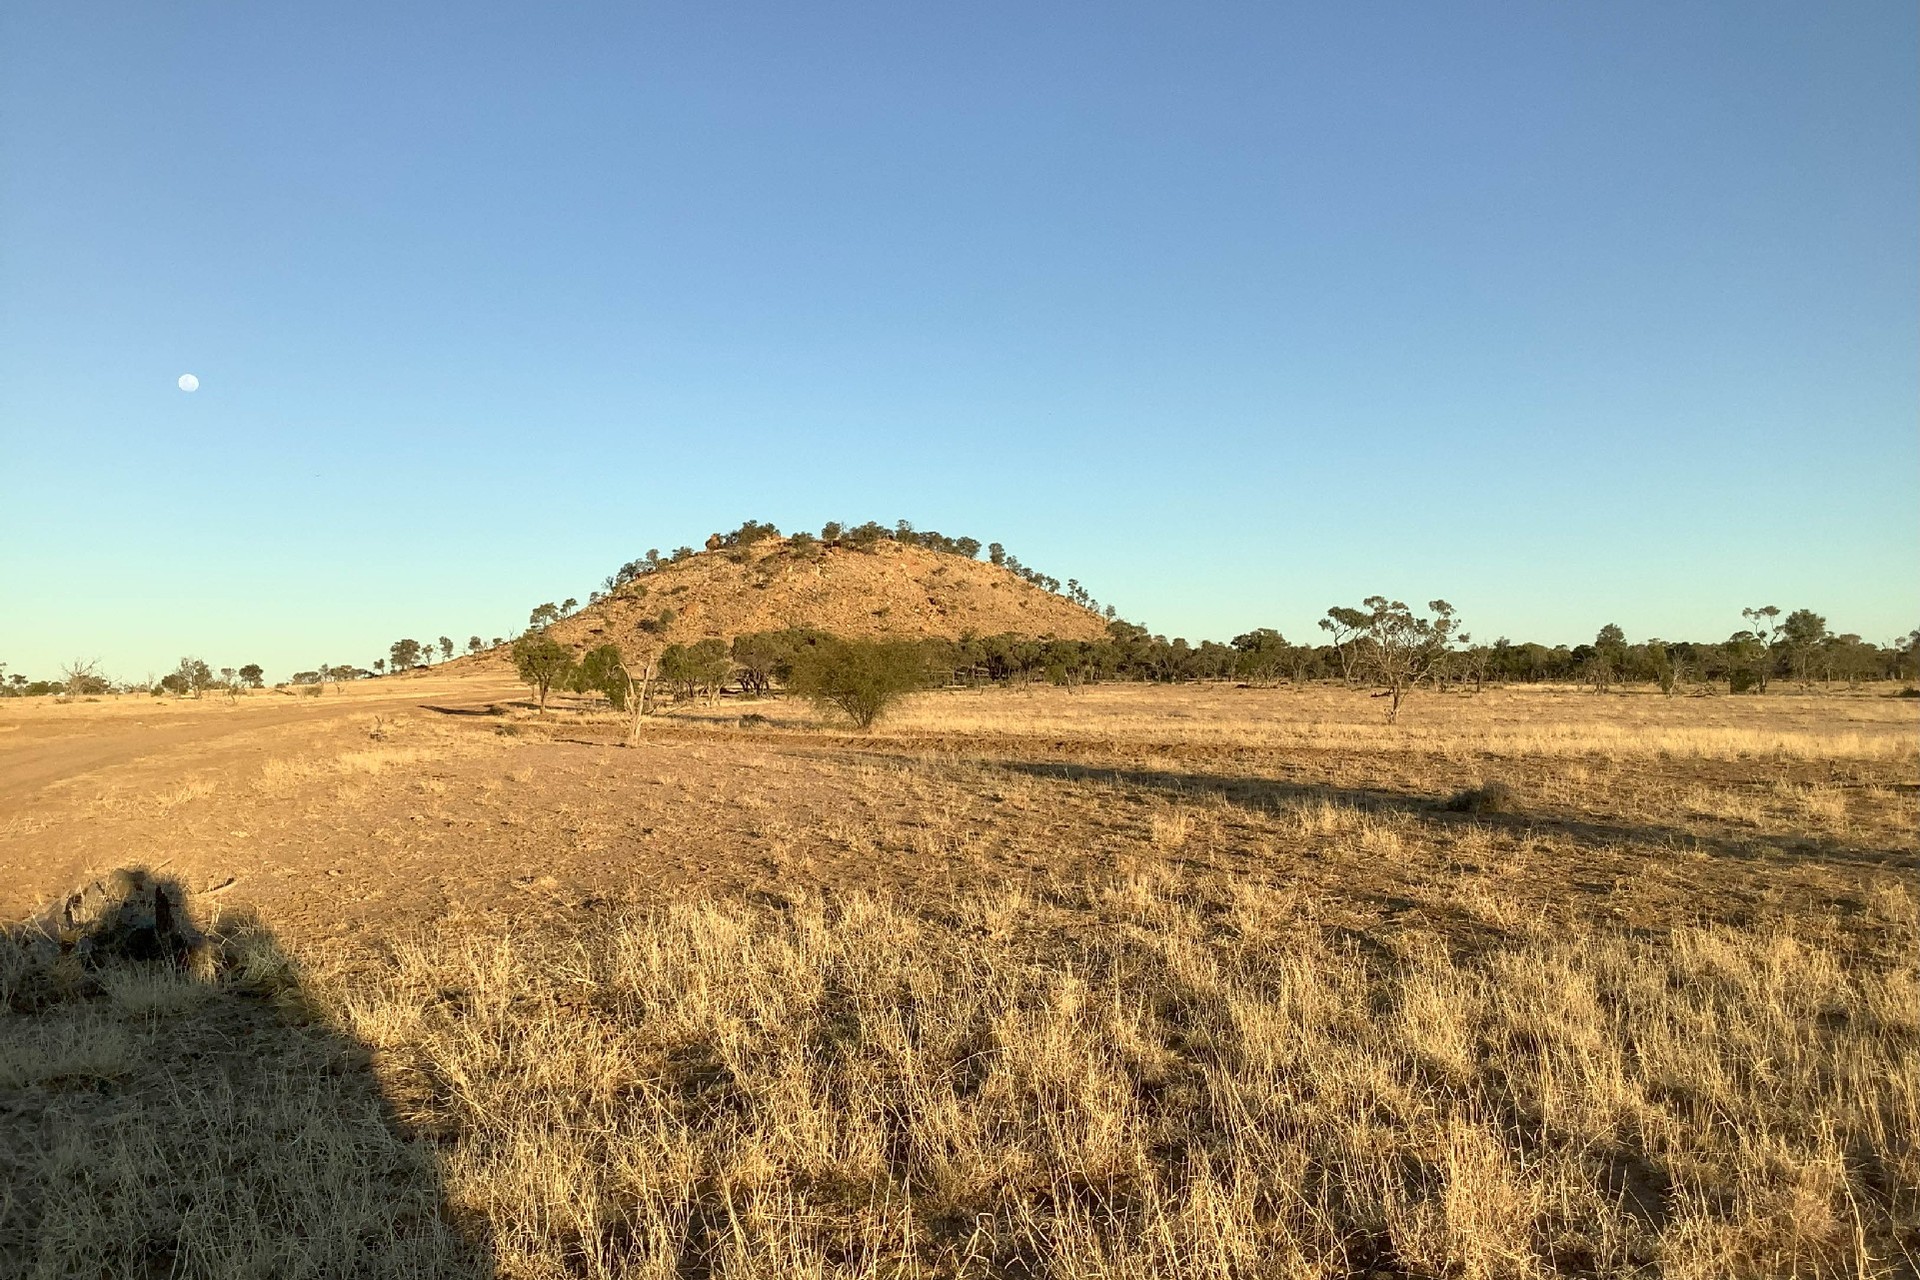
(1123, 983)
(1161, 1077)
(1504, 723)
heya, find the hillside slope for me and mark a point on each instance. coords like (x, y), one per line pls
(893, 590)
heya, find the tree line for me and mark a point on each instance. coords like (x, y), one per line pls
(1382, 644)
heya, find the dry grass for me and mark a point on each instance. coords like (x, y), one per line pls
(1164, 1078)
(1505, 723)
(1127, 983)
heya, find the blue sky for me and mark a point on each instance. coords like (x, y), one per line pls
(1570, 314)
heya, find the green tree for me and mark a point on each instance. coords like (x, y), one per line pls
(1348, 629)
(697, 669)
(859, 678)
(1609, 658)
(542, 663)
(1765, 621)
(474, 644)
(446, 648)
(1667, 670)
(543, 615)
(762, 657)
(866, 537)
(1852, 659)
(1404, 650)
(403, 655)
(192, 677)
(253, 675)
(1262, 653)
(602, 671)
(1747, 660)
(1803, 632)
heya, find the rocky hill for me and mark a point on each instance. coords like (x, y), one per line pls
(888, 590)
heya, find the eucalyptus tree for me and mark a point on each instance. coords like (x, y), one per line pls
(542, 662)
(1401, 649)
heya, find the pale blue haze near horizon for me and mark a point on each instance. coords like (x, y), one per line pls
(1570, 314)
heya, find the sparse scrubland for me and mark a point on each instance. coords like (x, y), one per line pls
(1127, 981)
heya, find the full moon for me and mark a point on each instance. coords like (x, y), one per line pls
(189, 383)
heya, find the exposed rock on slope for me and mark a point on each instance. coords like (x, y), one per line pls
(893, 590)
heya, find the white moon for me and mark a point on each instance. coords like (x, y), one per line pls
(189, 383)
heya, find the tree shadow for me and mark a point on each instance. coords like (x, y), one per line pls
(173, 1103)
(1264, 795)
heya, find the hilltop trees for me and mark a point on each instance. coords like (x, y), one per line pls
(542, 662)
(403, 655)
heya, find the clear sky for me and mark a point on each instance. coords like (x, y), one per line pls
(1568, 313)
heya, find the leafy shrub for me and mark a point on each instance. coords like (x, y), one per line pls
(542, 663)
(860, 678)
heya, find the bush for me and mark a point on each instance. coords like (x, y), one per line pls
(542, 663)
(700, 667)
(861, 678)
(602, 671)
(1490, 797)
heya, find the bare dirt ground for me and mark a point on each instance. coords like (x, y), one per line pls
(1131, 981)
(395, 801)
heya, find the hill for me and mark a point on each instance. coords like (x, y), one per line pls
(889, 590)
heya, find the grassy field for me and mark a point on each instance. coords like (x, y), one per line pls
(1127, 982)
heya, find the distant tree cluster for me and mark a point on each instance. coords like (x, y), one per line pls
(1382, 644)
(327, 673)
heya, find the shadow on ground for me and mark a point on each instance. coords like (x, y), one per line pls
(1263, 795)
(172, 1104)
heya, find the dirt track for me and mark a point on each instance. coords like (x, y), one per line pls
(59, 760)
(43, 747)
